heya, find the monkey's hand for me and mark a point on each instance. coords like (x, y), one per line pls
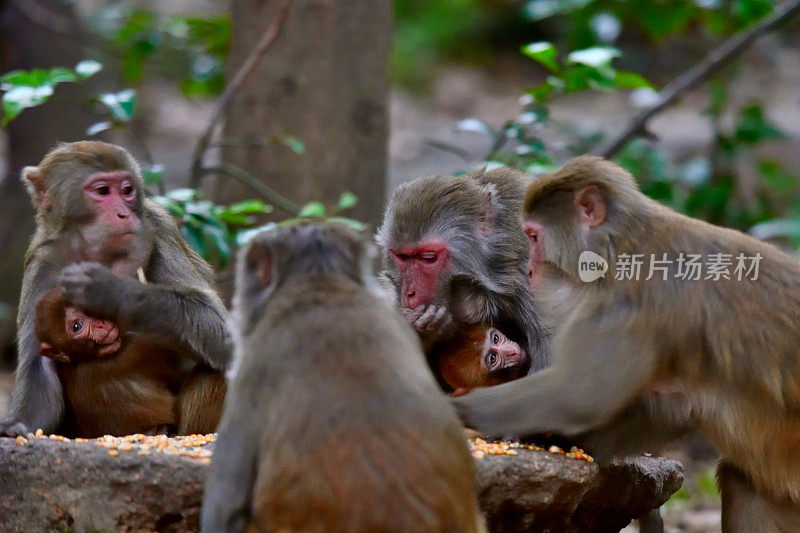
(95, 290)
(431, 322)
(429, 318)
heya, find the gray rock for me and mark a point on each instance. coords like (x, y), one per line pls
(541, 491)
(46, 485)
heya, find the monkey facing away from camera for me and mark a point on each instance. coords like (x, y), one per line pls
(117, 384)
(456, 256)
(94, 231)
(480, 356)
(642, 358)
(335, 424)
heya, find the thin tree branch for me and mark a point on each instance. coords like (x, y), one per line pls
(715, 60)
(244, 177)
(270, 35)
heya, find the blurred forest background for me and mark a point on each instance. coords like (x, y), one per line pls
(244, 112)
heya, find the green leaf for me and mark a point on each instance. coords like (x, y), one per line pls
(630, 80)
(182, 195)
(355, 224)
(236, 218)
(294, 144)
(245, 236)
(541, 92)
(474, 125)
(543, 52)
(599, 56)
(19, 98)
(216, 237)
(58, 75)
(776, 177)
(201, 208)
(98, 127)
(753, 128)
(194, 236)
(173, 208)
(312, 209)
(248, 207)
(121, 104)
(153, 174)
(347, 200)
(87, 68)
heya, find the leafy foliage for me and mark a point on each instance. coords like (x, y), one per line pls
(23, 89)
(209, 228)
(190, 49)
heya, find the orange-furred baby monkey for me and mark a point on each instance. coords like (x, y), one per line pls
(480, 356)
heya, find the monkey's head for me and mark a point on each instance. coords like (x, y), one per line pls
(581, 207)
(480, 356)
(66, 334)
(94, 186)
(305, 249)
(443, 229)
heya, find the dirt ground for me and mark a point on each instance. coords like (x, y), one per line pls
(174, 124)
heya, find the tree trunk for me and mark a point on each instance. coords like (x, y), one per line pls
(325, 82)
(24, 45)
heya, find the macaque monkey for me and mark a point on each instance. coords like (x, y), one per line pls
(644, 357)
(335, 423)
(481, 356)
(117, 384)
(95, 230)
(455, 255)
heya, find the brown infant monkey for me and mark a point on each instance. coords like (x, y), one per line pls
(335, 424)
(119, 384)
(94, 230)
(480, 356)
(641, 358)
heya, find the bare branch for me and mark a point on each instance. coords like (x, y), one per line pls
(270, 35)
(715, 60)
(244, 177)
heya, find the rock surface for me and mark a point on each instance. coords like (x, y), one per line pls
(47, 485)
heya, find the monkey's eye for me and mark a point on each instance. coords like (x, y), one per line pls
(492, 359)
(428, 257)
(127, 189)
(401, 257)
(495, 338)
(77, 326)
(101, 189)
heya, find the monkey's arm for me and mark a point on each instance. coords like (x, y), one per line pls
(37, 399)
(179, 315)
(230, 478)
(598, 369)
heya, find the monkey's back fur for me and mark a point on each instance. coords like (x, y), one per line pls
(353, 433)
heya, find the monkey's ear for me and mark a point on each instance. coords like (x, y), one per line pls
(591, 206)
(33, 180)
(260, 263)
(490, 207)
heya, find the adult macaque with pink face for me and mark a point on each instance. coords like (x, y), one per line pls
(95, 230)
(456, 256)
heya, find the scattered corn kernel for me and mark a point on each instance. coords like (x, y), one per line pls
(480, 448)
